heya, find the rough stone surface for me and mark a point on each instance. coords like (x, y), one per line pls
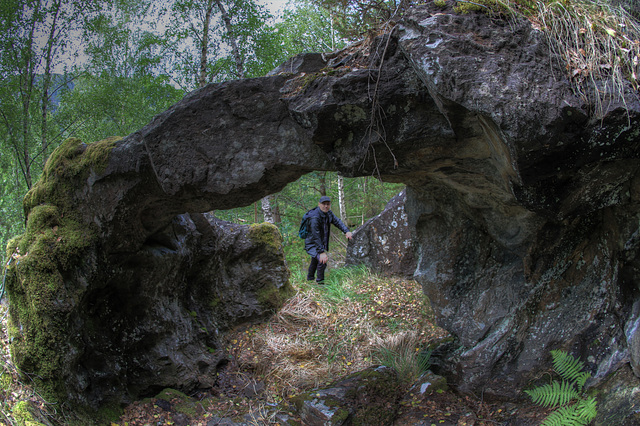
(384, 243)
(524, 235)
(157, 318)
(368, 397)
(619, 400)
(524, 208)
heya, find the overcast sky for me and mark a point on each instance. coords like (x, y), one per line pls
(273, 5)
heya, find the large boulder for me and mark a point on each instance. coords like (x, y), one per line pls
(527, 234)
(102, 332)
(524, 208)
(385, 242)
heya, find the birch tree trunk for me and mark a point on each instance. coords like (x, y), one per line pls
(232, 40)
(47, 81)
(26, 91)
(267, 211)
(204, 48)
(341, 201)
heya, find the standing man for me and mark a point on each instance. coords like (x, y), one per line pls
(317, 242)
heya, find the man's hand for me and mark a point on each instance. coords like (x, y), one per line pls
(349, 235)
(323, 258)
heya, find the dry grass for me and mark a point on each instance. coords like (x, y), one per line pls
(405, 353)
(327, 332)
(321, 334)
(599, 43)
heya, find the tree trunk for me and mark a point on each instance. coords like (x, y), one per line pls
(341, 200)
(267, 212)
(232, 40)
(276, 212)
(26, 89)
(47, 83)
(204, 48)
(323, 183)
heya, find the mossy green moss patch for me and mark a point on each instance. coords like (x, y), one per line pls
(69, 165)
(23, 413)
(267, 235)
(40, 282)
(40, 294)
(272, 298)
(5, 381)
(180, 402)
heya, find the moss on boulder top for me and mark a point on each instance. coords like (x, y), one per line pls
(67, 167)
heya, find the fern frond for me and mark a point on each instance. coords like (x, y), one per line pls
(554, 394)
(586, 409)
(565, 416)
(569, 368)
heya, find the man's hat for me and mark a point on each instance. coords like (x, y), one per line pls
(324, 199)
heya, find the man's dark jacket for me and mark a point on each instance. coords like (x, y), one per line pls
(320, 230)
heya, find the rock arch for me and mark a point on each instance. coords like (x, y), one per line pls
(525, 212)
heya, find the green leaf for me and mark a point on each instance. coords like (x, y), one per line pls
(569, 368)
(554, 394)
(568, 416)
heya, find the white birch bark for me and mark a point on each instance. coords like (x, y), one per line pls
(341, 201)
(267, 211)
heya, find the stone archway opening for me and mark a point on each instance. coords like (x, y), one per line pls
(364, 198)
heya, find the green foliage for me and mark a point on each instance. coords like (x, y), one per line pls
(341, 282)
(401, 353)
(573, 409)
(110, 105)
(554, 394)
(308, 28)
(11, 191)
(569, 368)
(120, 90)
(257, 42)
(582, 413)
(352, 18)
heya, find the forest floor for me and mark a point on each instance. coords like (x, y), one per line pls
(322, 334)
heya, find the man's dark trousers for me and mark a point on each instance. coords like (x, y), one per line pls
(314, 266)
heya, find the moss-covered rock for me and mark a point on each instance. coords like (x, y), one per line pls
(94, 335)
(267, 235)
(40, 283)
(181, 402)
(25, 414)
(69, 164)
